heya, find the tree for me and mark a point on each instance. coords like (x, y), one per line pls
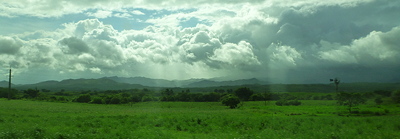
(167, 92)
(396, 96)
(230, 100)
(211, 97)
(244, 93)
(378, 101)
(135, 98)
(385, 93)
(350, 99)
(115, 100)
(97, 100)
(31, 93)
(167, 95)
(84, 98)
(147, 98)
(256, 97)
(284, 102)
(182, 97)
(4, 93)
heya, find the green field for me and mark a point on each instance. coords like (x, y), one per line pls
(313, 119)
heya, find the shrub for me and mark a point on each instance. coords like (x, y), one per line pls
(147, 98)
(85, 98)
(31, 93)
(396, 96)
(231, 101)
(281, 102)
(97, 100)
(62, 99)
(135, 98)
(257, 97)
(383, 93)
(212, 97)
(115, 100)
(284, 102)
(350, 99)
(244, 93)
(378, 101)
(294, 103)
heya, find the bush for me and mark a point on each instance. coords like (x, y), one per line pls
(281, 102)
(62, 99)
(31, 93)
(257, 97)
(115, 100)
(212, 97)
(396, 96)
(294, 103)
(350, 99)
(284, 102)
(97, 100)
(383, 93)
(147, 98)
(378, 101)
(231, 101)
(244, 93)
(85, 98)
(135, 98)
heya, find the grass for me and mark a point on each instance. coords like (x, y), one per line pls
(313, 119)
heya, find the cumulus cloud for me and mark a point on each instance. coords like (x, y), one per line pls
(9, 45)
(281, 56)
(245, 38)
(74, 45)
(239, 55)
(375, 48)
(137, 12)
(100, 14)
(49, 8)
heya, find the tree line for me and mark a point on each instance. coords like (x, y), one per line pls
(231, 98)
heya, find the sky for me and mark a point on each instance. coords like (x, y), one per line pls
(281, 41)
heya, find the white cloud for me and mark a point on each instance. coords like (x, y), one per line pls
(376, 48)
(282, 56)
(122, 15)
(95, 70)
(137, 12)
(50, 8)
(74, 45)
(100, 14)
(9, 45)
(238, 55)
(227, 37)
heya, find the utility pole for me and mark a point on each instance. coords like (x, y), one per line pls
(9, 85)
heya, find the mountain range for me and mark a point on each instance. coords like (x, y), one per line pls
(4, 84)
(196, 85)
(193, 83)
(118, 83)
(79, 85)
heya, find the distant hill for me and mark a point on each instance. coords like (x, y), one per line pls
(197, 85)
(80, 84)
(153, 82)
(183, 83)
(4, 84)
(210, 83)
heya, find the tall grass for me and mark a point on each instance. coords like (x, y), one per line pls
(315, 119)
